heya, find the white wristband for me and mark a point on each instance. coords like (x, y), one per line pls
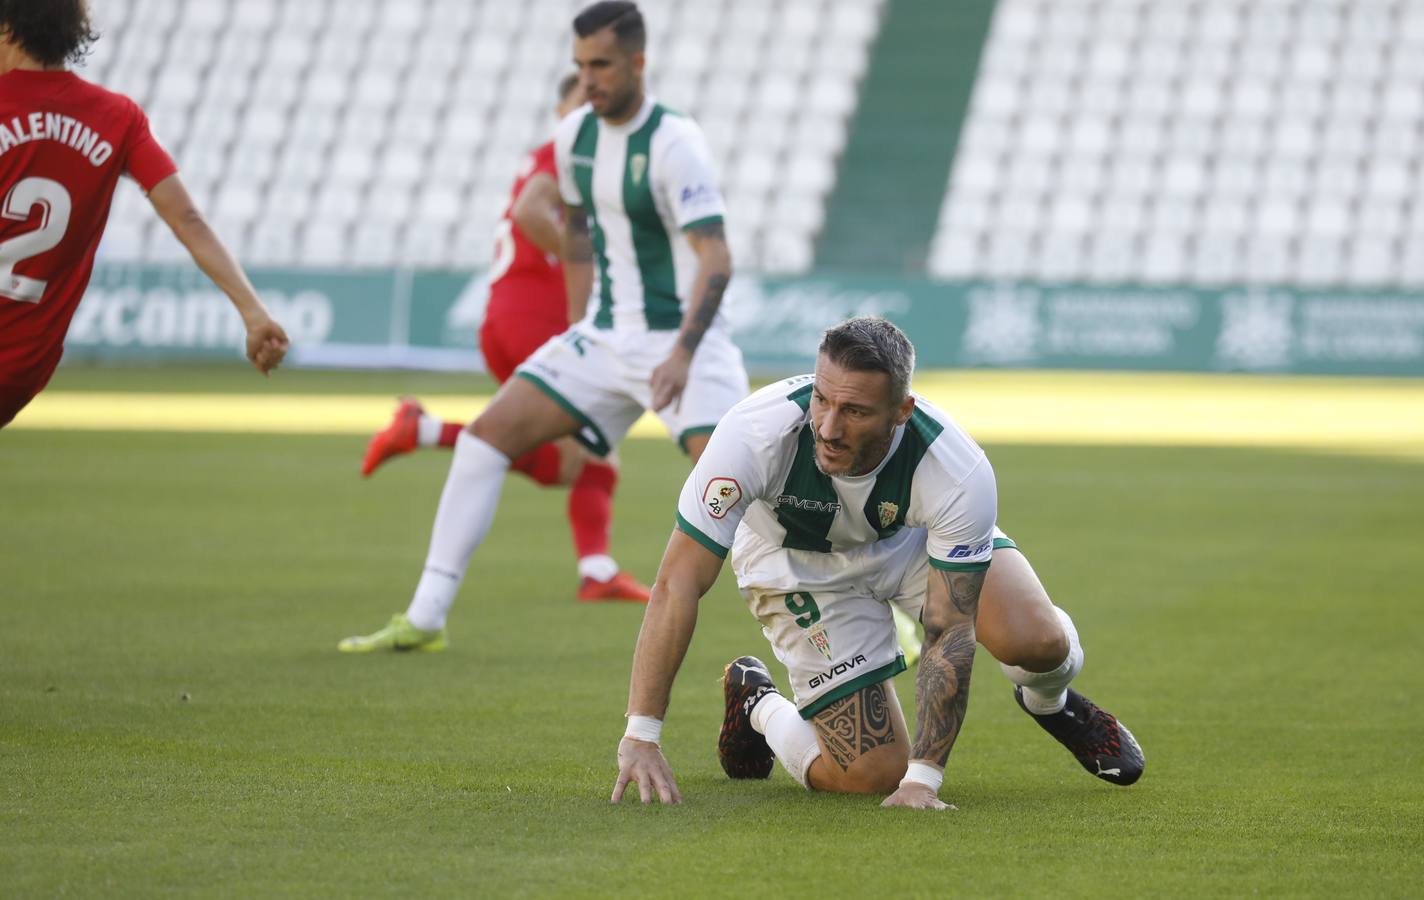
(924, 773)
(645, 728)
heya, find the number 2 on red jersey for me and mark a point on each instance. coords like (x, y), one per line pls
(55, 205)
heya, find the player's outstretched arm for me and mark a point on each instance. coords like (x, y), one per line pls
(714, 273)
(538, 213)
(266, 341)
(942, 682)
(578, 260)
(687, 572)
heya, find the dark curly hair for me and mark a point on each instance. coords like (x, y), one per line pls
(53, 32)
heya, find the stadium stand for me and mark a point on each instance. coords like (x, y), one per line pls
(309, 130)
(1205, 143)
(914, 97)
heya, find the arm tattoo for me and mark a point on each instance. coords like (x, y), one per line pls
(710, 302)
(964, 591)
(578, 245)
(706, 312)
(853, 726)
(942, 683)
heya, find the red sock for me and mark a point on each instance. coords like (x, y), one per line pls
(591, 508)
(449, 431)
(541, 464)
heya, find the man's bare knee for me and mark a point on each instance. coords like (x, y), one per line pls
(875, 773)
(865, 746)
(1041, 650)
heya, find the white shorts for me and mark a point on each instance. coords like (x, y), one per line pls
(835, 641)
(602, 377)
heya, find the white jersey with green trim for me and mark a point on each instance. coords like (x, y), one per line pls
(757, 492)
(642, 184)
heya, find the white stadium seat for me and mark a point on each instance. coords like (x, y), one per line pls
(1226, 139)
(374, 245)
(1216, 259)
(1320, 262)
(1372, 262)
(324, 245)
(277, 105)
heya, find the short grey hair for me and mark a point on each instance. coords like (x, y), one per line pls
(872, 344)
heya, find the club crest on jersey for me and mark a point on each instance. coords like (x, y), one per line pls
(638, 164)
(888, 512)
(820, 640)
(721, 495)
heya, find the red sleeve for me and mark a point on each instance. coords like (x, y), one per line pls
(148, 162)
(544, 162)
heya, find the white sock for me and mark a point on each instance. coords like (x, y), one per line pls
(599, 567)
(1047, 692)
(791, 737)
(427, 431)
(463, 517)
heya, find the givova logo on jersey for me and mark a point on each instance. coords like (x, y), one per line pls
(836, 671)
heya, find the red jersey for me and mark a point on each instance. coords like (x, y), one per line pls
(524, 280)
(64, 142)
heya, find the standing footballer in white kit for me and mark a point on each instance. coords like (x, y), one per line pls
(646, 264)
(838, 494)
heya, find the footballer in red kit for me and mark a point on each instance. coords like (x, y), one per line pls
(527, 303)
(64, 143)
(527, 306)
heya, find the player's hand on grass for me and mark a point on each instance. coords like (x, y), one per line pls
(670, 377)
(266, 344)
(913, 795)
(642, 762)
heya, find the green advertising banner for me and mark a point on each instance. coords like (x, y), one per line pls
(387, 319)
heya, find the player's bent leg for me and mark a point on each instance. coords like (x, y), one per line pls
(1038, 649)
(1017, 621)
(865, 744)
(520, 418)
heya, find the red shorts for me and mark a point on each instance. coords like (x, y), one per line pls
(14, 397)
(508, 340)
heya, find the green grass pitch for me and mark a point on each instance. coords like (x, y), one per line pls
(174, 718)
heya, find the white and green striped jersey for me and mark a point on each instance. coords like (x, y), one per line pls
(757, 492)
(642, 183)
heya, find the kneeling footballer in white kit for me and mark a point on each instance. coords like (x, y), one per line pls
(838, 494)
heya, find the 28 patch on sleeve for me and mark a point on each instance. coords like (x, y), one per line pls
(721, 496)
